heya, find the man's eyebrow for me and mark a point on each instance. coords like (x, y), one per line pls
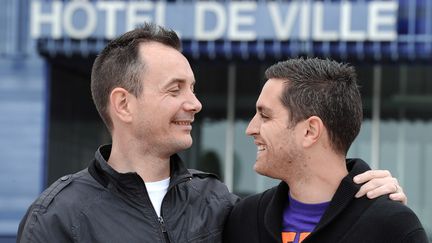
(178, 80)
(263, 109)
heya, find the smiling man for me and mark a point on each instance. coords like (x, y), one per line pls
(137, 189)
(307, 115)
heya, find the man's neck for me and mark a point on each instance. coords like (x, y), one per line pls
(150, 167)
(319, 182)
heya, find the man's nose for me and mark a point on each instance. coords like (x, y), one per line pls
(253, 127)
(193, 104)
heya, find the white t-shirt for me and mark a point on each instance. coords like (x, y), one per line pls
(157, 191)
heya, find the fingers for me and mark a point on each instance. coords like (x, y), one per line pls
(371, 174)
(378, 183)
(399, 196)
(378, 186)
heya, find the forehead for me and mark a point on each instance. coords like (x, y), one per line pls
(271, 93)
(163, 63)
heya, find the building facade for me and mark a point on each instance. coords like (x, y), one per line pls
(51, 127)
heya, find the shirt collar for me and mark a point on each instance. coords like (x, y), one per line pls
(344, 194)
(131, 182)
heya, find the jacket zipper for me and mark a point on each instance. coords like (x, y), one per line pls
(163, 228)
(160, 218)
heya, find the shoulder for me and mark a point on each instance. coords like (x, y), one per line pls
(255, 201)
(209, 184)
(243, 224)
(394, 218)
(203, 180)
(383, 206)
(250, 208)
(53, 213)
(68, 191)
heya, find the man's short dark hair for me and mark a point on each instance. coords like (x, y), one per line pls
(323, 88)
(119, 65)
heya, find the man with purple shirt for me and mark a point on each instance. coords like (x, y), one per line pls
(307, 115)
(299, 219)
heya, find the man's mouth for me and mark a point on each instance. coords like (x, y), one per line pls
(260, 147)
(183, 123)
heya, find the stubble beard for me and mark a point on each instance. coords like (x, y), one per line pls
(285, 166)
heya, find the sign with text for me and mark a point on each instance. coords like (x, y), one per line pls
(208, 20)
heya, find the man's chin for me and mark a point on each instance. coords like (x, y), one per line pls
(184, 144)
(259, 169)
(264, 171)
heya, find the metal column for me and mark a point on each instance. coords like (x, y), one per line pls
(229, 138)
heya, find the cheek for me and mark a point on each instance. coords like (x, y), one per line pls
(169, 108)
(272, 135)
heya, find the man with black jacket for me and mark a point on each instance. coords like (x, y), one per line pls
(137, 189)
(307, 115)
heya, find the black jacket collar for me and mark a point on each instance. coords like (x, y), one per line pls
(130, 183)
(344, 194)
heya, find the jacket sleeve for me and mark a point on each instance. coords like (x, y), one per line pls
(48, 219)
(41, 227)
(232, 198)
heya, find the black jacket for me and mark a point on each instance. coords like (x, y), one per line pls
(259, 217)
(100, 205)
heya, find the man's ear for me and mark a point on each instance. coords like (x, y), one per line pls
(313, 130)
(120, 102)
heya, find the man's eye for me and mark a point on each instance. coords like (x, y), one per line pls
(174, 90)
(263, 116)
